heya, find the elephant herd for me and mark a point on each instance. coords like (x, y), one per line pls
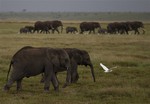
(125, 27)
(84, 27)
(43, 27)
(31, 61)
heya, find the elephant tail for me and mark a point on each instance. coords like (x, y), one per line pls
(9, 70)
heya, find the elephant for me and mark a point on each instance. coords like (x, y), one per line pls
(135, 25)
(24, 30)
(31, 61)
(89, 26)
(40, 26)
(45, 26)
(102, 31)
(55, 25)
(71, 30)
(77, 57)
(113, 27)
(30, 28)
(125, 27)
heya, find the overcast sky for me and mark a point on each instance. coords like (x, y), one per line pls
(75, 5)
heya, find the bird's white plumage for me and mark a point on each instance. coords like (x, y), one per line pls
(105, 68)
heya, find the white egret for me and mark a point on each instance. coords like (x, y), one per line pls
(105, 68)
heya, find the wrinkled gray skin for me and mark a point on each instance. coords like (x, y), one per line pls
(30, 61)
(77, 57)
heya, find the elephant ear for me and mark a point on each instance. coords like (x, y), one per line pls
(53, 58)
(78, 57)
(55, 61)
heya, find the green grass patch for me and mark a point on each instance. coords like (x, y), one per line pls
(129, 83)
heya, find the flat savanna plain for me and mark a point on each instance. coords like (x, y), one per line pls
(129, 83)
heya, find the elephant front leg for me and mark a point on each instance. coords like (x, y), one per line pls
(48, 73)
(74, 77)
(55, 82)
(47, 83)
(74, 73)
(68, 78)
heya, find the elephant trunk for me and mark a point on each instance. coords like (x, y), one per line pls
(92, 71)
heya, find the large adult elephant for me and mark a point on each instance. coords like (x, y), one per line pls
(41, 27)
(55, 25)
(30, 61)
(77, 57)
(135, 25)
(113, 28)
(89, 26)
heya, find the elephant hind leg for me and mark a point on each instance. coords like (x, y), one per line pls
(8, 85)
(19, 86)
(74, 72)
(14, 78)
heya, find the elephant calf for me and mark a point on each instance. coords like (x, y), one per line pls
(24, 30)
(71, 30)
(30, 61)
(102, 31)
(77, 57)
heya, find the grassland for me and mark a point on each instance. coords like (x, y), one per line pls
(129, 83)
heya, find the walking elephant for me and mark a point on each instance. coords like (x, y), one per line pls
(135, 25)
(71, 30)
(31, 61)
(77, 57)
(89, 26)
(125, 27)
(45, 26)
(55, 25)
(102, 31)
(24, 30)
(30, 28)
(40, 26)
